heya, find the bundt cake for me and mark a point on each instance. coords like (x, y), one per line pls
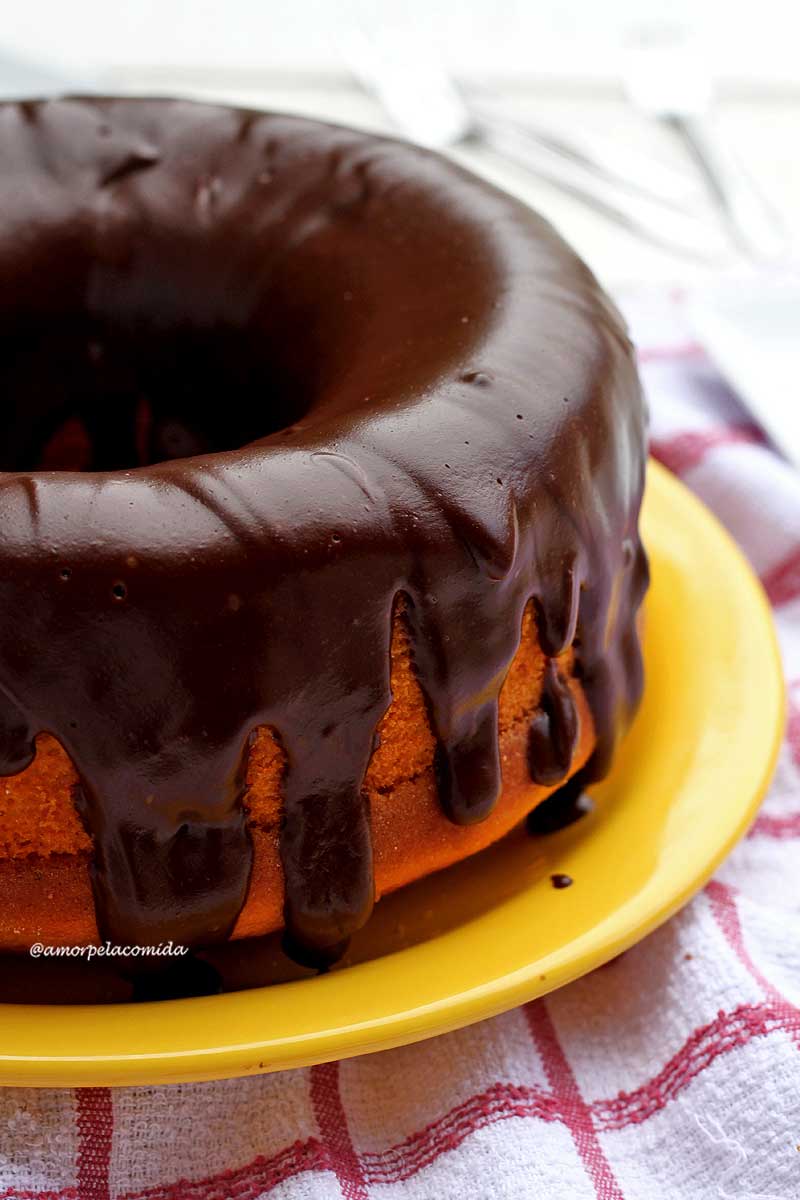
(320, 468)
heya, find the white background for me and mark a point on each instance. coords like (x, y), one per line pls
(559, 62)
(755, 43)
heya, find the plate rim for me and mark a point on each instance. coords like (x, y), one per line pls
(28, 1025)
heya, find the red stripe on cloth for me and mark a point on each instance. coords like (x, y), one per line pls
(793, 720)
(257, 1178)
(708, 1043)
(679, 352)
(500, 1102)
(575, 1112)
(723, 906)
(326, 1098)
(683, 451)
(95, 1124)
(782, 828)
(782, 582)
(67, 1193)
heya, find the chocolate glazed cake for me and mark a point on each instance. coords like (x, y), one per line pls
(288, 411)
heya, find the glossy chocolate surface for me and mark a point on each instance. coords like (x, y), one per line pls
(260, 378)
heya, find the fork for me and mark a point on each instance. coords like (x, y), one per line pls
(402, 71)
(666, 78)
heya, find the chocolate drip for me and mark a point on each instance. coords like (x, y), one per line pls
(557, 611)
(566, 806)
(167, 847)
(326, 850)
(554, 730)
(609, 656)
(468, 770)
(326, 845)
(401, 382)
(17, 747)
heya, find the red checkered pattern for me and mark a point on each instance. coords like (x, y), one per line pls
(672, 1072)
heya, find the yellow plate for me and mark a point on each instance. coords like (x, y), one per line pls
(684, 789)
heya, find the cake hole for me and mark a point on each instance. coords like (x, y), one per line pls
(83, 397)
(119, 591)
(65, 573)
(164, 337)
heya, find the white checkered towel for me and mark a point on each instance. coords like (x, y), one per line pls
(672, 1072)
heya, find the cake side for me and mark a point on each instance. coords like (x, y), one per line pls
(452, 421)
(45, 853)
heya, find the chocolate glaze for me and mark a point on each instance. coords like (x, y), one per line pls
(190, 976)
(395, 381)
(563, 808)
(554, 731)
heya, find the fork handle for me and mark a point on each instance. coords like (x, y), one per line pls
(682, 233)
(751, 221)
